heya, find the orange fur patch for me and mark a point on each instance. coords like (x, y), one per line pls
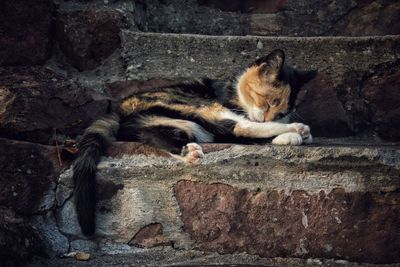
(255, 90)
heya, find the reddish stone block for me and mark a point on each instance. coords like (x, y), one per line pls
(355, 226)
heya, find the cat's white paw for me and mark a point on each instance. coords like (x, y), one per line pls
(288, 139)
(194, 153)
(300, 128)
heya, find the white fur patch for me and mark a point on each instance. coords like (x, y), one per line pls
(191, 128)
(292, 139)
(256, 114)
(201, 135)
(229, 115)
(259, 130)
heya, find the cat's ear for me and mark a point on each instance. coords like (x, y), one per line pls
(304, 76)
(272, 64)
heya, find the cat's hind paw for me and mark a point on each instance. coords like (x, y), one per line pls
(192, 153)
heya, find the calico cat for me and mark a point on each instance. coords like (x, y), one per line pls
(178, 117)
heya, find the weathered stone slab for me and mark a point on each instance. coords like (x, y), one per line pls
(45, 226)
(35, 102)
(249, 192)
(88, 37)
(18, 240)
(334, 103)
(381, 90)
(150, 236)
(379, 17)
(151, 55)
(25, 27)
(356, 226)
(271, 18)
(175, 257)
(28, 176)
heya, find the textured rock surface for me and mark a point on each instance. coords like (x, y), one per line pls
(88, 37)
(370, 18)
(239, 198)
(224, 57)
(28, 176)
(150, 236)
(381, 91)
(322, 109)
(172, 257)
(25, 31)
(356, 226)
(18, 241)
(34, 101)
(55, 243)
(252, 6)
(272, 18)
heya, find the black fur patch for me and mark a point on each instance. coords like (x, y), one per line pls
(90, 150)
(166, 137)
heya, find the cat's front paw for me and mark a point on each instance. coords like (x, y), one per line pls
(300, 128)
(288, 139)
(192, 153)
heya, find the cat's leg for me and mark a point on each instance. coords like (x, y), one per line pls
(176, 136)
(293, 139)
(175, 140)
(292, 133)
(269, 129)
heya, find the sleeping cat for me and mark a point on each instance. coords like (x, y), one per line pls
(179, 117)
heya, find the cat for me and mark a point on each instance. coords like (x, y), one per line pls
(177, 118)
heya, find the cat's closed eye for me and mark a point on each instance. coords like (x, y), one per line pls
(276, 102)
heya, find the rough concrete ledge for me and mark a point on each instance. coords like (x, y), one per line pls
(165, 256)
(151, 55)
(270, 201)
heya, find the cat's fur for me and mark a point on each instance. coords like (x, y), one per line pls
(176, 118)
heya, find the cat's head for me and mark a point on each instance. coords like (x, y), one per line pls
(268, 89)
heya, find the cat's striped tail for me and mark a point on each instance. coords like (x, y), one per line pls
(93, 144)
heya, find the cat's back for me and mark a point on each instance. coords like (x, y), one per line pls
(190, 95)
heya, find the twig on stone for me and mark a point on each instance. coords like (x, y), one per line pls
(57, 148)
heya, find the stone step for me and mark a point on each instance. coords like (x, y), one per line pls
(354, 93)
(168, 257)
(323, 201)
(273, 18)
(256, 17)
(164, 55)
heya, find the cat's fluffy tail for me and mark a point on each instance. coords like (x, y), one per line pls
(94, 142)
